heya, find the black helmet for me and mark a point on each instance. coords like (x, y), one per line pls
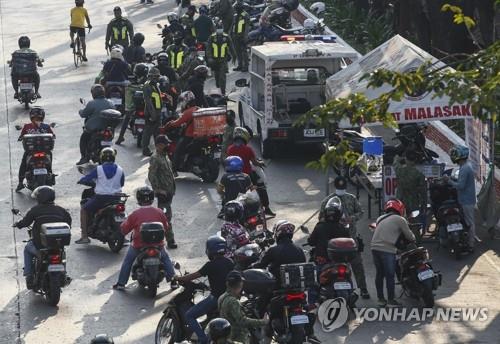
(37, 111)
(219, 328)
(215, 245)
(233, 211)
(102, 339)
(141, 70)
(24, 42)
(145, 195)
(164, 82)
(201, 70)
(333, 209)
(340, 183)
(203, 9)
(44, 194)
(97, 91)
(108, 154)
(233, 278)
(138, 38)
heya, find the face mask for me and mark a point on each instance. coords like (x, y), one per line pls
(340, 192)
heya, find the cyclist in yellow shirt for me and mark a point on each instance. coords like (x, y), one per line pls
(79, 15)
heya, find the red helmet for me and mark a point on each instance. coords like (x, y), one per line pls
(395, 205)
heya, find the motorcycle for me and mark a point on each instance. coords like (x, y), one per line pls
(26, 89)
(105, 224)
(39, 160)
(172, 327)
(50, 264)
(148, 269)
(115, 92)
(254, 219)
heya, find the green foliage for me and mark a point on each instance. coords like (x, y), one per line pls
(458, 16)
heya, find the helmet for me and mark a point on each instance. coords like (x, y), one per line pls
(97, 91)
(234, 277)
(138, 38)
(117, 9)
(333, 209)
(154, 73)
(108, 154)
(102, 339)
(116, 53)
(145, 195)
(162, 58)
(395, 205)
(162, 140)
(309, 24)
(24, 42)
(340, 183)
(282, 229)
(233, 164)
(185, 99)
(79, 2)
(290, 5)
(201, 70)
(164, 82)
(37, 111)
(233, 211)
(218, 328)
(242, 133)
(318, 8)
(141, 70)
(203, 9)
(44, 194)
(458, 153)
(172, 16)
(239, 5)
(215, 245)
(192, 9)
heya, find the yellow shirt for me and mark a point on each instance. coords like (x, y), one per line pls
(78, 15)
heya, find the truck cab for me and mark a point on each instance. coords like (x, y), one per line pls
(287, 79)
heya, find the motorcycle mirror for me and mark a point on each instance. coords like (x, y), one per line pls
(159, 26)
(53, 124)
(304, 229)
(18, 127)
(82, 101)
(15, 211)
(177, 266)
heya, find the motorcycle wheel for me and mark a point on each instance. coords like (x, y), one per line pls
(26, 103)
(139, 140)
(427, 295)
(53, 294)
(116, 240)
(168, 330)
(212, 172)
(152, 290)
(40, 181)
(298, 335)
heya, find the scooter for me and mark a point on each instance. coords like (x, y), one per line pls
(26, 89)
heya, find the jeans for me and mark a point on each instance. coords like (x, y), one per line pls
(385, 266)
(469, 212)
(203, 307)
(130, 257)
(30, 251)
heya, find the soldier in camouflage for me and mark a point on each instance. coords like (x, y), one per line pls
(411, 188)
(352, 213)
(230, 309)
(162, 179)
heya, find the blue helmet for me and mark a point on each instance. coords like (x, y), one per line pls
(215, 245)
(233, 164)
(458, 153)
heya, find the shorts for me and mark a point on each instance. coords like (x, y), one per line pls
(98, 202)
(80, 31)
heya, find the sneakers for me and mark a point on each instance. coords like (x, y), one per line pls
(38, 95)
(83, 241)
(393, 303)
(82, 161)
(19, 187)
(364, 293)
(119, 287)
(382, 302)
(269, 212)
(172, 244)
(84, 58)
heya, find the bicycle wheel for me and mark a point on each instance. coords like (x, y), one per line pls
(77, 56)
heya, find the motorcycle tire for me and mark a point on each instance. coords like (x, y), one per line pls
(139, 140)
(53, 294)
(427, 294)
(152, 289)
(39, 181)
(298, 335)
(26, 103)
(116, 240)
(171, 323)
(212, 172)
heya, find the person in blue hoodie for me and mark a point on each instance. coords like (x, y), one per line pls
(109, 180)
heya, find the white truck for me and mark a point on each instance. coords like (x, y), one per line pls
(287, 79)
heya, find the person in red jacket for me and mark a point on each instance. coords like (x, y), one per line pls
(240, 148)
(187, 101)
(146, 213)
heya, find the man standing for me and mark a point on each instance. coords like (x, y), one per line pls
(203, 26)
(152, 108)
(120, 30)
(161, 177)
(411, 188)
(239, 32)
(177, 51)
(219, 49)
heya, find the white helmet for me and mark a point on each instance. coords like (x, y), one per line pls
(318, 8)
(185, 98)
(172, 16)
(116, 53)
(309, 24)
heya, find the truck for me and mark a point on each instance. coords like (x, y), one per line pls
(287, 79)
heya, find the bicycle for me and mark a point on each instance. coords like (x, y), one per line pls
(77, 51)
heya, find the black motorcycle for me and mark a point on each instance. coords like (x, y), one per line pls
(115, 92)
(39, 160)
(103, 138)
(139, 121)
(50, 264)
(26, 89)
(148, 268)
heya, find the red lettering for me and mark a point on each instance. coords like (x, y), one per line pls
(438, 112)
(447, 111)
(397, 116)
(410, 114)
(429, 112)
(466, 110)
(421, 113)
(456, 111)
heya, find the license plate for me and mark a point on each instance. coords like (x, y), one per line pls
(119, 218)
(25, 86)
(116, 101)
(151, 261)
(342, 286)
(140, 121)
(423, 275)
(56, 268)
(454, 227)
(299, 319)
(217, 155)
(314, 132)
(106, 143)
(39, 171)
(140, 129)
(201, 53)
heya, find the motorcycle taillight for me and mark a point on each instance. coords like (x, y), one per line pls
(120, 208)
(214, 139)
(451, 211)
(341, 271)
(139, 113)
(39, 155)
(107, 134)
(152, 252)
(295, 296)
(55, 259)
(252, 220)
(200, 46)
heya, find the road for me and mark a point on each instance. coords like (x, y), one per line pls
(89, 306)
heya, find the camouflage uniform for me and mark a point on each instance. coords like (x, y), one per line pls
(186, 70)
(161, 177)
(227, 140)
(230, 309)
(411, 188)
